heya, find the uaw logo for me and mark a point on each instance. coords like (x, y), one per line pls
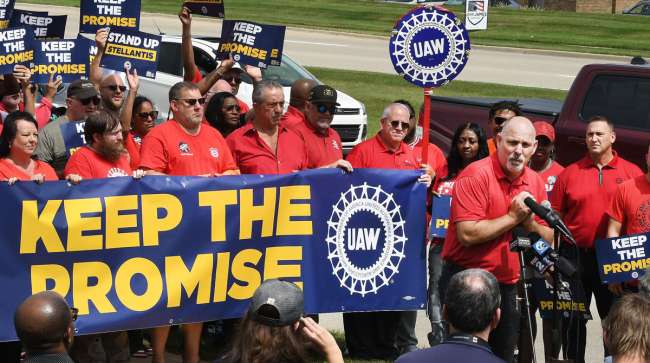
(365, 239)
(429, 46)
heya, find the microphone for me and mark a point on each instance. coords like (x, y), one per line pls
(520, 240)
(544, 256)
(551, 217)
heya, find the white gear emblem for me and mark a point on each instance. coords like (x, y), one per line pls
(377, 203)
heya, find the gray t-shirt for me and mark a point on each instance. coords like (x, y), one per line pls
(51, 146)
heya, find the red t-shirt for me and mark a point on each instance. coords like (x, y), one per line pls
(483, 192)
(9, 170)
(582, 196)
(372, 153)
(549, 176)
(436, 159)
(293, 117)
(88, 164)
(254, 156)
(168, 149)
(198, 77)
(321, 149)
(132, 146)
(631, 206)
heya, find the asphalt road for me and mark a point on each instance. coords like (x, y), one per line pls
(366, 53)
(353, 52)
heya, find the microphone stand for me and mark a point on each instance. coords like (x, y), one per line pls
(556, 340)
(527, 301)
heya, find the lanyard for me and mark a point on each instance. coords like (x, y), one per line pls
(468, 339)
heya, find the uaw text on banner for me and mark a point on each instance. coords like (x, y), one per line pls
(140, 253)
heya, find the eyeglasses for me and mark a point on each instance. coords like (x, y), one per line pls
(152, 114)
(405, 125)
(74, 312)
(14, 96)
(326, 108)
(114, 87)
(192, 101)
(86, 101)
(500, 120)
(232, 79)
(233, 107)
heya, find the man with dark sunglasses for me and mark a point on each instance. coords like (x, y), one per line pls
(83, 99)
(500, 112)
(45, 325)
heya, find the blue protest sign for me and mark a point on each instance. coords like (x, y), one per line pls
(212, 8)
(6, 8)
(44, 25)
(15, 48)
(133, 50)
(133, 254)
(88, 44)
(570, 299)
(429, 46)
(251, 43)
(440, 209)
(73, 136)
(623, 258)
(66, 59)
(116, 14)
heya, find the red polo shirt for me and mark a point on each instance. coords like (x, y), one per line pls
(292, 118)
(254, 156)
(483, 192)
(88, 164)
(631, 206)
(321, 149)
(372, 153)
(583, 193)
(436, 159)
(169, 149)
(549, 176)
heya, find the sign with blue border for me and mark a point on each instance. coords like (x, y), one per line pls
(255, 44)
(118, 14)
(132, 50)
(211, 8)
(440, 210)
(6, 9)
(623, 258)
(45, 26)
(66, 59)
(15, 48)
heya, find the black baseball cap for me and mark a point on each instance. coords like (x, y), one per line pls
(277, 303)
(323, 94)
(82, 89)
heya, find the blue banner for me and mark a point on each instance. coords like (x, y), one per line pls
(623, 258)
(67, 59)
(15, 48)
(115, 14)
(73, 136)
(133, 50)
(440, 210)
(251, 43)
(134, 254)
(45, 26)
(212, 8)
(6, 9)
(569, 301)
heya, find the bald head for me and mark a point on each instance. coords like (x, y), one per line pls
(519, 125)
(111, 90)
(43, 322)
(300, 92)
(516, 144)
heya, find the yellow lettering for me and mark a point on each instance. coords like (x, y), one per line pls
(217, 200)
(77, 224)
(246, 274)
(83, 293)
(115, 221)
(178, 277)
(287, 210)
(56, 273)
(35, 227)
(151, 224)
(249, 213)
(150, 272)
(274, 270)
(221, 277)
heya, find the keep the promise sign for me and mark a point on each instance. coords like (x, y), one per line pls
(212, 8)
(132, 50)
(251, 43)
(15, 48)
(96, 14)
(66, 59)
(44, 25)
(623, 258)
(6, 8)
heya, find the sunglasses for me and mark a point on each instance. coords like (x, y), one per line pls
(192, 101)
(74, 312)
(233, 107)
(114, 87)
(232, 79)
(87, 101)
(500, 120)
(152, 114)
(326, 108)
(405, 125)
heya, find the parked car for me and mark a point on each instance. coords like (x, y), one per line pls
(641, 8)
(619, 92)
(350, 119)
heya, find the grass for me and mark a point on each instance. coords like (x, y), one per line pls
(386, 88)
(524, 28)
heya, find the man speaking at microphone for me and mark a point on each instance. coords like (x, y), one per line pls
(487, 203)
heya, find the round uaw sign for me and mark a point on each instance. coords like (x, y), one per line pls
(429, 46)
(365, 239)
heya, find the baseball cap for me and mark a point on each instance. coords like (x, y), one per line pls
(277, 303)
(9, 85)
(543, 128)
(323, 94)
(82, 89)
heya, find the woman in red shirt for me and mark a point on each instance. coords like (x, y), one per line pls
(17, 144)
(468, 145)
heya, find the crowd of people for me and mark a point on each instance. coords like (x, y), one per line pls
(474, 279)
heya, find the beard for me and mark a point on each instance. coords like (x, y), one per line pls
(110, 152)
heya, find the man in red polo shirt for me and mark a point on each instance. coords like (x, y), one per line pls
(487, 203)
(295, 114)
(184, 146)
(264, 145)
(372, 335)
(629, 213)
(582, 195)
(322, 143)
